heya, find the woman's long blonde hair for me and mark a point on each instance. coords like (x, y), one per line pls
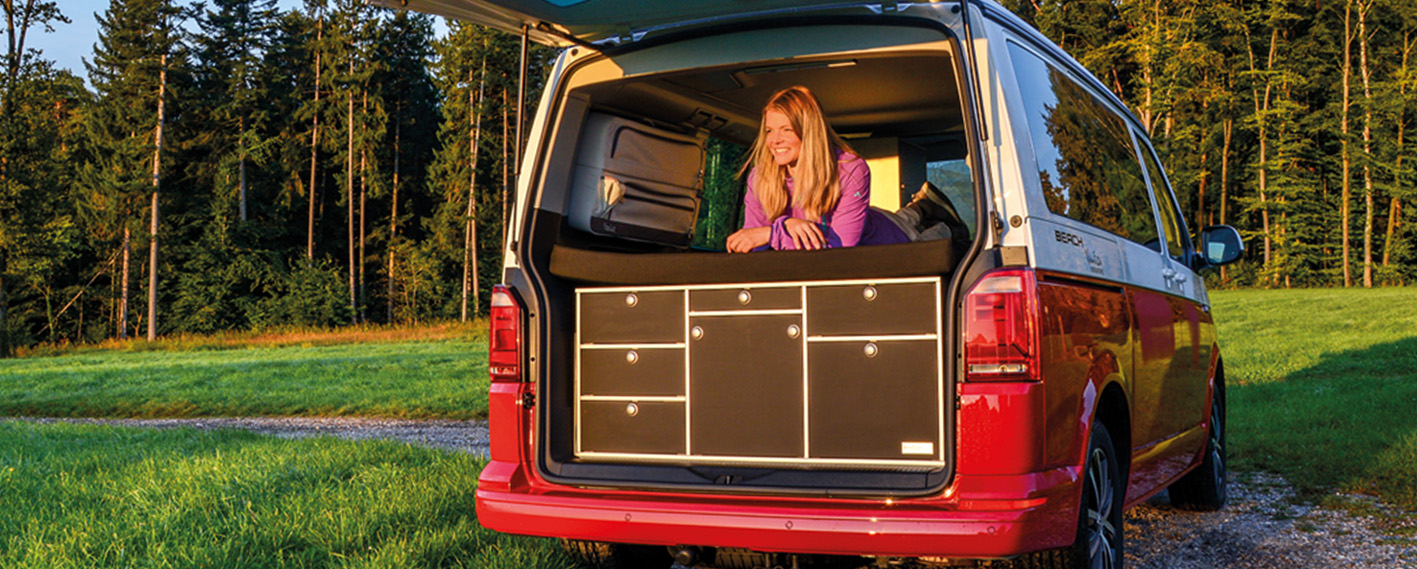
(817, 184)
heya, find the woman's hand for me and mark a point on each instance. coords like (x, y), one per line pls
(745, 240)
(805, 234)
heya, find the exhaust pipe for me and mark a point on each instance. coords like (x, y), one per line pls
(688, 556)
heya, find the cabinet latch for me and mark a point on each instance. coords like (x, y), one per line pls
(528, 399)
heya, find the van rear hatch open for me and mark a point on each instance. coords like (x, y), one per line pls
(663, 362)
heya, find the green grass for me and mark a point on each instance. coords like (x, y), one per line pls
(1323, 387)
(90, 496)
(443, 378)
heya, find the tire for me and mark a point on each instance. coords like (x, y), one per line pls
(601, 555)
(1205, 487)
(1098, 544)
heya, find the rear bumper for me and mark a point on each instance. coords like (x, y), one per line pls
(977, 517)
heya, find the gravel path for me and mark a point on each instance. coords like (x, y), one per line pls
(1261, 528)
(463, 436)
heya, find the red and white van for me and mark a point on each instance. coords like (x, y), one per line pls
(1004, 393)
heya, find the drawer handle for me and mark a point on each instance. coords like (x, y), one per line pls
(632, 409)
(869, 293)
(793, 331)
(697, 332)
(744, 297)
(631, 300)
(631, 357)
(871, 350)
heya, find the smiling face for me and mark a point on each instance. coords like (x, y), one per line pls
(782, 139)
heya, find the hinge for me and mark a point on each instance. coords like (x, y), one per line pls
(528, 399)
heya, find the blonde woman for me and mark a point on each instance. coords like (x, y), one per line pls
(806, 188)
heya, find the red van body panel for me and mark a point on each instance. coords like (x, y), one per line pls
(1018, 451)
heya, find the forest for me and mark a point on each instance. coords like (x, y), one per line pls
(230, 165)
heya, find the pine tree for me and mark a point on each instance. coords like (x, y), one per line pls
(135, 39)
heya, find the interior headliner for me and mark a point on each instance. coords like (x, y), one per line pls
(903, 95)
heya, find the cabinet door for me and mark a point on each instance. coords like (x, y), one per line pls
(745, 386)
(874, 400)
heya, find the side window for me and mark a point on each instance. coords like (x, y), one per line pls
(721, 204)
(1086, 162)
(1170, 221)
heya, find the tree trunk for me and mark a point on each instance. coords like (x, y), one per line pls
(349, 196)
(7, 349)
(1347, 195)
(1229, 131)
(122, 317)
(1367, 146)
(363, 196)
(241, 168)
(393, 219)
(157, 187)
(314, 143)
(1394, 217)
(469, 259)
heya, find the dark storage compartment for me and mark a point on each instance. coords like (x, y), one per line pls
(851, 378)
(636, 181)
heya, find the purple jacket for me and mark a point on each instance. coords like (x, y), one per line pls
(853, 222)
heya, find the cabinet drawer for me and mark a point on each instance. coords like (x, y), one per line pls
(632, 371)
(746, 298)
(866, 309)
(632, 317)
(639, 427)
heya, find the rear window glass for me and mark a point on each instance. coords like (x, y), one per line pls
(1170, 221)
(1086, 162)
(721, 204)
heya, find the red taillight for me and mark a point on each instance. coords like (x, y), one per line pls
(1001, 321)
(504, 350)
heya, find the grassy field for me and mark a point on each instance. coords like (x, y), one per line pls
(1324, 387)
(88, 496)
(414, 373)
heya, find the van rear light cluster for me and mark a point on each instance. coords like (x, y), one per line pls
(504, 351)
(1001, 324)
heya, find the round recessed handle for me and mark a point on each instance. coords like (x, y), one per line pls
(632, 299)
(744, 297)
(871, 350)
(870, 293)
(697, 332)
(632, 357)
(632, 409)
(793, 331)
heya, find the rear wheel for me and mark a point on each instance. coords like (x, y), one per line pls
(601, 555)
(1204, 487)
(1098, 544)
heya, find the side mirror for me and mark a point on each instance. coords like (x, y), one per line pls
(1220, 245)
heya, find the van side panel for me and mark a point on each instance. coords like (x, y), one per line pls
(1086, 340)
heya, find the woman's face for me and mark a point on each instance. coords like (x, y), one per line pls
(782, 140)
